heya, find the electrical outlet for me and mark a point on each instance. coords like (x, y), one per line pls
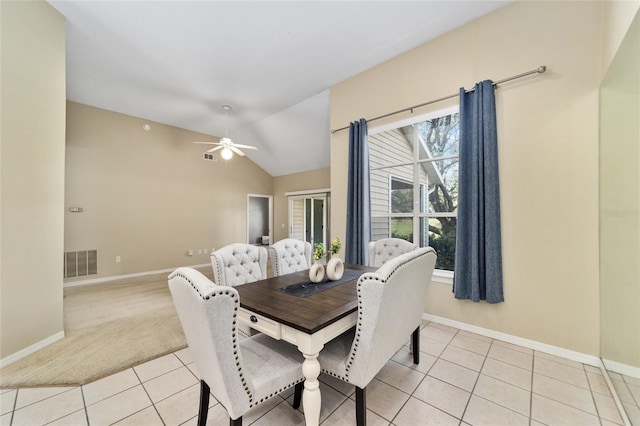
(199, 251)
(118, 259)
(205, 251)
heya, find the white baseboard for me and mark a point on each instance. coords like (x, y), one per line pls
(31, 349)
(627, 370)
(121, 277)
(531, 344)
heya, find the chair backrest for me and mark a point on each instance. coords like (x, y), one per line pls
(391, 302)
(208, 313)
(290, 255)
(237, 264)
(387, 248)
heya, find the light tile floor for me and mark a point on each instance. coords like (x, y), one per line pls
(462, 379)
(628, 390)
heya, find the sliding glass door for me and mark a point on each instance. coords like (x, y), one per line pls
(308, 218)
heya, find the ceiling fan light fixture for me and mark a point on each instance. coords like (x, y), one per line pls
(225, 143)
(226, 153)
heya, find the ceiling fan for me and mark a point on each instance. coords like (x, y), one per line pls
(227, 146)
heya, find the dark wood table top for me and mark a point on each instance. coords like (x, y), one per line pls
(308, 314)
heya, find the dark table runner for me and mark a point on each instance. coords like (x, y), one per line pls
(307, 288)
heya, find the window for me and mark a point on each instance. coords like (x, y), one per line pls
(414, 183)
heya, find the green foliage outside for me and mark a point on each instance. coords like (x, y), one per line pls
(402, 201)
(445, 246)
(402, 228)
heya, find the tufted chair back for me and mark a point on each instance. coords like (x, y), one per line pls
(239, 264)
(240, 373)
(391, 302)
(290, 255)
(387, 248)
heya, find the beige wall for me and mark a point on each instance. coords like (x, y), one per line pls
(148, 196)
(620, 204)
(617, 17)
(314, 179)
(32, 173)
(548, 148)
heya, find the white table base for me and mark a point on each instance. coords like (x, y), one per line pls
(310, 345)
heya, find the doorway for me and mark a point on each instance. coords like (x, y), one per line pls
(259, 219)
(308, 218)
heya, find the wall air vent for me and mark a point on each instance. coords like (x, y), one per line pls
(80, 263)
(209, 157)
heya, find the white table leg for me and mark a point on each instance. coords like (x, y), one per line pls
(311, 399)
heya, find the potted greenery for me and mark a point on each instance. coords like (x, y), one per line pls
(335, 266)
(316, 272)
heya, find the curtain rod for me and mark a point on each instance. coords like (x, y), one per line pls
(538, 70)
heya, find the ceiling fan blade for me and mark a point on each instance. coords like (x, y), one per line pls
(236, 150)
(215, 149)
(209, 143)
(245, 146)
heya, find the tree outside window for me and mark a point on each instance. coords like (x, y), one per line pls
(414, 184)
(401, 202)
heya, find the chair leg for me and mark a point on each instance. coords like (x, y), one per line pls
(236, 422)
(415, 345)
(204, 403)
(361, 406)
(297, 395)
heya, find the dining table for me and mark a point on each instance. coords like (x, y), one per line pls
(292, 308)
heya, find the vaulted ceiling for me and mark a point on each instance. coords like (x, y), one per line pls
(179, 62)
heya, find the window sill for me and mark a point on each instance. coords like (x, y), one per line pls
(442, 276)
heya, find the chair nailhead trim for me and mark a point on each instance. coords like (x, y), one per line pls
(184, 277)
(343, 378)
(236, 350)
(356, 340)
(272, 394)
(234, 328)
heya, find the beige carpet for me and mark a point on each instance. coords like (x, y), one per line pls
(109, 327)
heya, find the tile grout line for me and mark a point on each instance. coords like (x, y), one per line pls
(84, 405)
(426, 374)
(13, 411)
(149, 396)
(337, 408)
(634, 396)
(533, 362)
(466, 407)
(614, 393)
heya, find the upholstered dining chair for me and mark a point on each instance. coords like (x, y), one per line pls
(289, 255)
(387, 248)
(390, 306)
(241, 374)
(239, 264)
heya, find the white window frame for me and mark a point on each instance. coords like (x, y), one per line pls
(439, 275)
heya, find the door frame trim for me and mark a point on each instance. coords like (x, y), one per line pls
(270, 223)
(312, 193)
